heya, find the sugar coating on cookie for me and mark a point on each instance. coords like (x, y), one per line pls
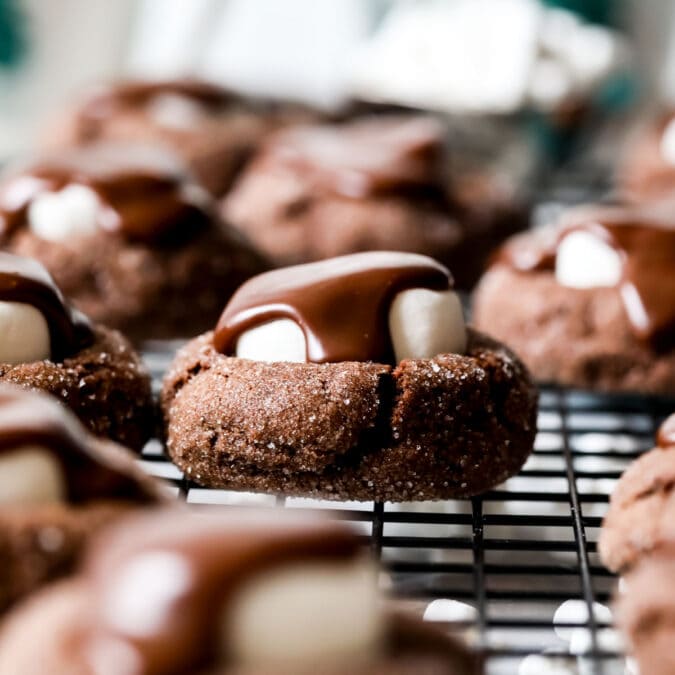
(380, 306)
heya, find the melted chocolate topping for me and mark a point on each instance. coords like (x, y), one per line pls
(145, 193)
(92, 473)
(341, 304)
(25, 280)
(666, 435)
(215, 556)
(365, 157)
(645, 240)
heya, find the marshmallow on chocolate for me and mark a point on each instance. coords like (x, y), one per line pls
(183, 592)
(380, 306)
(36, 323)
(47, 456)
(631, 249)
(141, 192)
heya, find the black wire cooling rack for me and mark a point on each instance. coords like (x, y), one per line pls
(498, 567)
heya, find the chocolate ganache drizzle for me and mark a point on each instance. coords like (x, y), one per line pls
(91, 473)
(366, 157)
(145, 192)
(25, 280)
(341, 304)
(666, 435)
(216, 556)
(644, 238)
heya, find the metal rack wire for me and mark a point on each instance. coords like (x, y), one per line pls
(512, 555)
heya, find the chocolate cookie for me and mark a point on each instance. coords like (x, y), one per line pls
(397, 402)
(642, 506)
(377, 183)
(645, 611)
(48, 346)
(647, 166)
(58, 486)
(591, 302)
(256, 593)
(214, 130)
(128, 236)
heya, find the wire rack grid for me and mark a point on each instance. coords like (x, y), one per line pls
(498, 567)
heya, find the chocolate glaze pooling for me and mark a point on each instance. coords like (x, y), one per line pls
(216, 556)
(365, 157)
(146, 194)
(25, 280)
(33, 419)
(341, 304)
(645, 240)
(666, 435)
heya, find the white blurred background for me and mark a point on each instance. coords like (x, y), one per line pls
(458, 56)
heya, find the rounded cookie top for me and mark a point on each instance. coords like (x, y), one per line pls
(141, 192)
(365, 157)
(46, 455)
(628, 248)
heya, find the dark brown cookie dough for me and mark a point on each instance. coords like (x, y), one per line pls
(577, 337)
(292, 218)
(645, 612)
(451, 426)
(146, 291)
(641, 511)
(42, 543)
(105, 385)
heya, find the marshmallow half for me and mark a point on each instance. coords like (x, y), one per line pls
(583, 260)
(30, 475)
(24, 333)
(304, 614)
(71, 212)
(422, 324)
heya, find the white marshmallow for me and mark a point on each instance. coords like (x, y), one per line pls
(59, 216)
(24, 333)
(540, 664)
(305, 613)
(176, 112)
(278, 340)
(668, 143)
(424, 323)
(585, 261)
(30, 475)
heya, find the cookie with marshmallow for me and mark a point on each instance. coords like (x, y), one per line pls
(47, 345)
(351, 378)
(373, 182)
(58, 485)
(589, 301)
(128, 234)
(232, 593)
(213, 129)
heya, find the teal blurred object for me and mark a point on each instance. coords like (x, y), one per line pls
(595, 11)
(12, 33)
